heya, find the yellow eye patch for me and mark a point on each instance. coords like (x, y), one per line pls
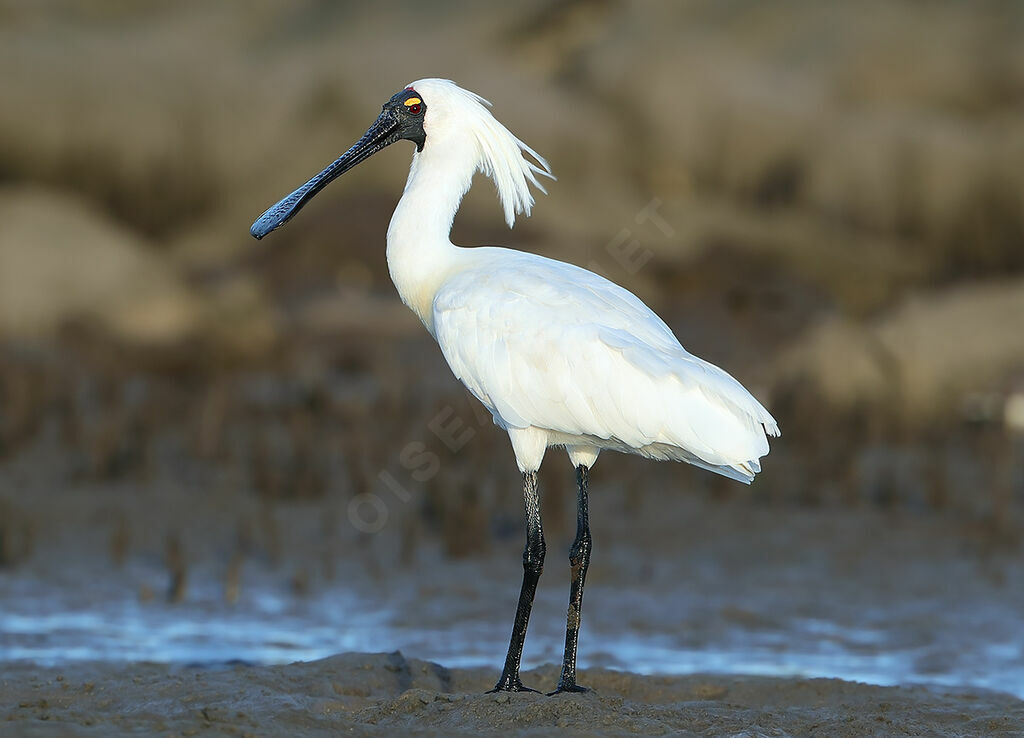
(412, 101)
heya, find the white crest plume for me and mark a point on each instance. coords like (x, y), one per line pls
(498, 153)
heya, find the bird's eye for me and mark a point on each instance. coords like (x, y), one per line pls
(415, 108)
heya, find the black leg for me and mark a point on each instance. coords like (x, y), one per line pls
(533, 565)
(579, 561)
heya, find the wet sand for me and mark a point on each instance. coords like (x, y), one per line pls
(387, 694)
(739, 582)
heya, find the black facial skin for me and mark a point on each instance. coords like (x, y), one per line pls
(397, 121)
(411, 123)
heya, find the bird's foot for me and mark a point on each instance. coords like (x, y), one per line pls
(568, 686)
(509, 683)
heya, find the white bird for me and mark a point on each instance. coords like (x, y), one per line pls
(559, 355)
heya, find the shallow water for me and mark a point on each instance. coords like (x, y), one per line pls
(964, 634)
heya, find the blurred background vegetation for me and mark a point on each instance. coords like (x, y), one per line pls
(839, 200)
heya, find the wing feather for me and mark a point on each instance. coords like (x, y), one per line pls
(547, 344)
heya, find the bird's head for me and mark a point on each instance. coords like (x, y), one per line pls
(454, 114)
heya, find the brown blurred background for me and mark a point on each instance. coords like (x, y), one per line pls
(825, 199)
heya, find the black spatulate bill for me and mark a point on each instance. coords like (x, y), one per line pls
(398, 120)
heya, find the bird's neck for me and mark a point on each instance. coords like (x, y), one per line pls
(420, 253)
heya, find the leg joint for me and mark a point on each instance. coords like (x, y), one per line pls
(533, 554)
(580, 551)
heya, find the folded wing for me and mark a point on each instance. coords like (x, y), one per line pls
(546, 344)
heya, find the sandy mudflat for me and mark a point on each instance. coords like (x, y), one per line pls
(387, 694)
(716, 587)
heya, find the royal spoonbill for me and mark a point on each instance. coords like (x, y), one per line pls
(559, 355)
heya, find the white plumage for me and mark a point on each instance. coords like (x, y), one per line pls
(559, 355)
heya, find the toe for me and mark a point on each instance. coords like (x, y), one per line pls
(510, 685)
